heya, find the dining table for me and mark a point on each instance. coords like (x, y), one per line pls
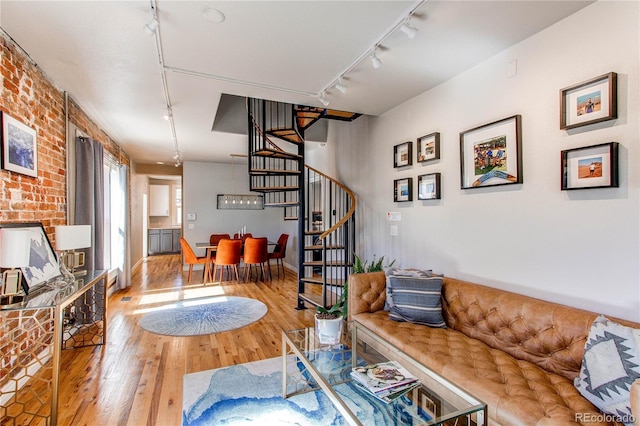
(211, 248)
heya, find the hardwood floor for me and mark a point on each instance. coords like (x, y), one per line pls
(136, 378)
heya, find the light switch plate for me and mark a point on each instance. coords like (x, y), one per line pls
(393, 230)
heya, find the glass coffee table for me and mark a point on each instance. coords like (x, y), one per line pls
(309, 365)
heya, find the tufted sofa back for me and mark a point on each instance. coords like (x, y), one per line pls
(547, 334)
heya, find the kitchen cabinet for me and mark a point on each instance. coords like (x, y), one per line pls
(161, 241)
(159, 200)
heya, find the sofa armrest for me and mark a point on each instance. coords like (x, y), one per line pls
(367, 292)
(635, 402)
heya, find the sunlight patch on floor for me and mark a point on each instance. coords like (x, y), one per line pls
(203, 292)
(157, 308)
(168, 296)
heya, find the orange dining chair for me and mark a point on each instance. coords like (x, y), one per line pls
(279, 253)
(256, 253)
(191, 259)
(227, 254)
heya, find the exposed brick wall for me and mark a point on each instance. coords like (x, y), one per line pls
(29, 96)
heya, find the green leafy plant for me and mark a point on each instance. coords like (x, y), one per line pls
(360, 267)
(337, 310)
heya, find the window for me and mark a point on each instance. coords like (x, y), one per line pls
(115, 214)
(177, 196)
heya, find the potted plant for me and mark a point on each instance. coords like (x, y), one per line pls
(329, 321)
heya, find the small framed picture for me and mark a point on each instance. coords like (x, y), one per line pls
(593, 166)
(19, 147)
(490, 154)
(403, 190)
(589, 102)
(402, 155)
(428, 147)
(429, 187)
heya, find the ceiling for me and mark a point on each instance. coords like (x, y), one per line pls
(289, 51)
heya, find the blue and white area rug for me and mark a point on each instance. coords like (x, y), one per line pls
(251, 394)
(203, 316)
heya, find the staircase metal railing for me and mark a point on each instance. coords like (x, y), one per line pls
(323, 206)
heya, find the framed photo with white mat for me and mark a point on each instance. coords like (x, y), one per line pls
(594, 166)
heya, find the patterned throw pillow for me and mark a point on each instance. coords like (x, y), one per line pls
(611, 363)
(416, 300)
(397, 272)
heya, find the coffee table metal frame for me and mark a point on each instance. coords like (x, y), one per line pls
(301, 342)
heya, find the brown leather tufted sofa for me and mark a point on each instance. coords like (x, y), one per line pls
(517, 354)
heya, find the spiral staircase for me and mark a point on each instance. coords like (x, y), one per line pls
(323, 207)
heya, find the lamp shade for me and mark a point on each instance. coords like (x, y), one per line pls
(73, 237)
(15, 246)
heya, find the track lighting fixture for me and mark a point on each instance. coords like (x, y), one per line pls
(151, 27)
(341, 87)
(323, 100)
(409, 30)
(375, 61)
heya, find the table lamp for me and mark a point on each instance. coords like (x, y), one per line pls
(15, 246)
(68, 239)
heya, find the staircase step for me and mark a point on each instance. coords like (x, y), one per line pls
(315, 232)
(318, 280)
(314, 299)
(329, 247)
(332, 263)
(273, 172)
(287, 133)
(274, 188)
(334, 114)
(274, 153)
(306, 118)
(282, 204)
(291, 218)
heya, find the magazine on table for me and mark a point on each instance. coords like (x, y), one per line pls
(382, 377)
(391, 394)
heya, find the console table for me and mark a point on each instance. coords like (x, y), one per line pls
(49, 321)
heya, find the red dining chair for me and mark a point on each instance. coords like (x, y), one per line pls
(279, 252)
(244, 236)
(227, 254)
(256, 253)
(191, 259)
(215, 238)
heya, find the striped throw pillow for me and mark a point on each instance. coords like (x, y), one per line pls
(416, 300)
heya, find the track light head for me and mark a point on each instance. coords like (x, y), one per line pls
(151, 27)
(409, 30)
(323, 100)
(375, 61)
(341, 87)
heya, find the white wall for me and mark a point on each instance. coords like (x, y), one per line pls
(202, 182)
(581, 247)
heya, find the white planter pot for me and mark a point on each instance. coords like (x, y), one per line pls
(329, 330)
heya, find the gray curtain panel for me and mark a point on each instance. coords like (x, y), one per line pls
(89, 210)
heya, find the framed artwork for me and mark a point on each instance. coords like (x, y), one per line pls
(19, 147)
(403, 190)
(402, 155)
(429, 186)
(594, 166)
(429, 147)
(43, 264)
(589, 102)
(490, 154)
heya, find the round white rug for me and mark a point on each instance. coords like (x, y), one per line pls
(204, 316)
